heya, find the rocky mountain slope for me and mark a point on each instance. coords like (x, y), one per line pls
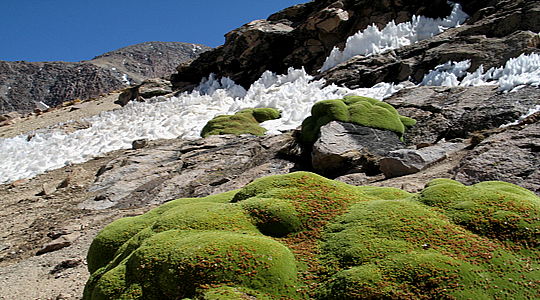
(22, 84)
(305, 34)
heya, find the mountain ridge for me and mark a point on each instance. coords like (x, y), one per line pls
(23, 84)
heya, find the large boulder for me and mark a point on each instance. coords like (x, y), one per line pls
(358, 110)
(277, 235)
(364, 130)
(344, 146)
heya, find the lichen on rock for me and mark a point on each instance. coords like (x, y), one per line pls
(358, 110)
(244, 121)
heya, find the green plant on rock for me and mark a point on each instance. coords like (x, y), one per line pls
(244, 121)
(358, 110)
(302, 236)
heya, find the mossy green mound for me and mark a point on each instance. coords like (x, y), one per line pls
(245, 121)
(359, 110)
(302, 236)
(496, 209)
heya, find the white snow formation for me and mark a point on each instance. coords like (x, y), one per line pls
(373, 41)
(517, 72)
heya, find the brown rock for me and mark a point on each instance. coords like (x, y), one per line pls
(138, 144)
(59, 243)
(19, 182)
(299, 36)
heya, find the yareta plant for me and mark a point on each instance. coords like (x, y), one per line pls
(243, 122)
(302, 236)
(358, 110)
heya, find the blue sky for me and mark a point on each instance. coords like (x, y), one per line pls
(64, 30)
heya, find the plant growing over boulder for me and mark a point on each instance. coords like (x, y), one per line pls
(244, 121)
(302, 236)
(358, 110)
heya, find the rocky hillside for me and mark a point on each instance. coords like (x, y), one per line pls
(304, 35)
(22, 84)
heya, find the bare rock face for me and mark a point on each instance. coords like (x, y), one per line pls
(177, 169)
(303, 36)
(344, 146)
(23, 84)
(299, 36)
(495, 32)
(415, 61)
(512, 156)
(409, 161)
(445, 113)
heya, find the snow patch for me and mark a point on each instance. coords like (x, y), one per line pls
(373, 41)
(516, 73)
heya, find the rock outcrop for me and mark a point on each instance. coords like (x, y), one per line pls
(493, 34)
(512, 156)
(299, 36)
(23, 84)
(177, 168)
(456, 112)
(303, 36)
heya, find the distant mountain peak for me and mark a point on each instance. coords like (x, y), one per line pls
(23, 84)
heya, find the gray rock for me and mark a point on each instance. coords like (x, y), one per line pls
(342, 146)
(48, 189)
(409, 161)
(357, 179)
(512, 156)
(175, 169)
(456, 112)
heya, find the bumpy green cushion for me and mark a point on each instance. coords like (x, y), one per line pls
(245, 121)
(359, 110)
(302, 236)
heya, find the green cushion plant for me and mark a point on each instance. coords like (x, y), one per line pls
(302, 236)
(244, 121)
(358, 110)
